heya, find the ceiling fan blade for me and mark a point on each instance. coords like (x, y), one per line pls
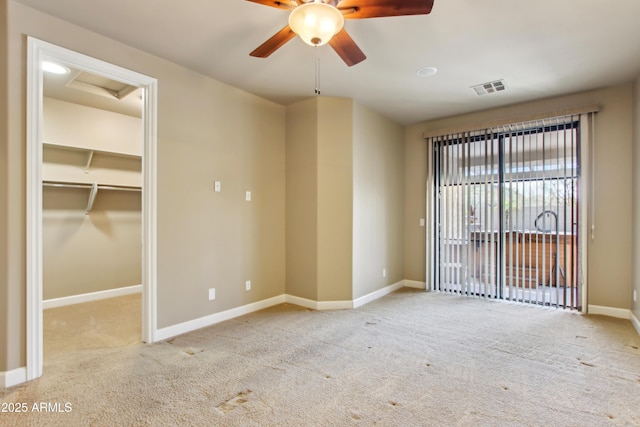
(346, 48)
(360, 9)
(274, 43)
(284, 4)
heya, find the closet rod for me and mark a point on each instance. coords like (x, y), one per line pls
(89, 186)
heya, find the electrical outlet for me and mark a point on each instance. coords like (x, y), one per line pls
(247, 285)
(217, 186)
(212, 294)
(635, 297)
(247, 196)
(384, 272)
(421, 222)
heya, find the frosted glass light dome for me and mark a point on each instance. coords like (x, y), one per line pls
(316, 22)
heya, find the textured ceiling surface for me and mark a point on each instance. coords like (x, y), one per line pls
(539, 48)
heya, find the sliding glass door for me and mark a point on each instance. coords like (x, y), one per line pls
(506, 214)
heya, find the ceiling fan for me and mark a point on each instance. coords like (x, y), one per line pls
(319, 22)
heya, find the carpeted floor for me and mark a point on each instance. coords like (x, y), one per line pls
(410, 359)
(113, 322)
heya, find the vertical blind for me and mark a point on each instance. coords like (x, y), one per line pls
(506, 212)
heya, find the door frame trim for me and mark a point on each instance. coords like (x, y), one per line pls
(37, 51)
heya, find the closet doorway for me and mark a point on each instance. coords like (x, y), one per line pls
(91, 191)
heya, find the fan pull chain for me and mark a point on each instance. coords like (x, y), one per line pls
(317, 72)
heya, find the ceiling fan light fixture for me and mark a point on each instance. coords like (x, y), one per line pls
(316, 22)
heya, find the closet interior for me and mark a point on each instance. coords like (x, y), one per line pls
(92, 181)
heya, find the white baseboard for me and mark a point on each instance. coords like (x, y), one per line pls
(359, 302)
(203, 322)
(13, 377)
(92, 296)
(635, 322)
(620, 313)
(415, 284)
(302, 302)
(343, 305)
(318, 305)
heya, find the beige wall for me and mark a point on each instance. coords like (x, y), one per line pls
(90, 253)
(15, 197)
(378, 201)
(302, 200)
(335, 195)
(636, 197)
(4, 242)
(210, 132)
(207, 131)
(319, 194)
(75, 125)
(344, 200)
(415, 176)
(609, 255)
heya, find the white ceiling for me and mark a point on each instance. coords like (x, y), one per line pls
(540, 48)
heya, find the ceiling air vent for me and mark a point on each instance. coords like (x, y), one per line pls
(490, 87)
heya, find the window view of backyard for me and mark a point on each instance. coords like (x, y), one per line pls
(507, 216)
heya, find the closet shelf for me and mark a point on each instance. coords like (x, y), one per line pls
(86, 166)
(92, 187)
(130, 154)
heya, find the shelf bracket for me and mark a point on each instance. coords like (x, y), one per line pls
(92, 197)
(89, 159)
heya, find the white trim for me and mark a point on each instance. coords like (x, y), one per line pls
(212, 319)
(634, 321)
(346, 304)
(149, 212)
(37, 51)
(620, 313)
(415, 284)
(359, 302)
(429, 210)
(13, 377)
(583, 109)
(35, 55)
(318, 305)
(586, 193)
(203, 322)
(91, 296)
(302, 302)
